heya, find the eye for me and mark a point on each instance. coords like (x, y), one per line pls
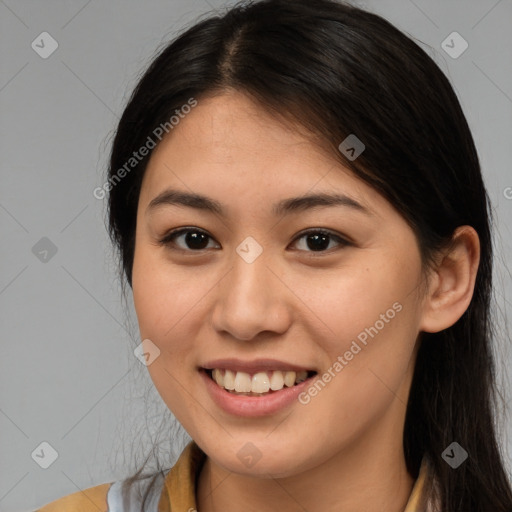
(319, 240)
(194, 239)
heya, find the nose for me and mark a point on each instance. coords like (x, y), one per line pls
(250, 300)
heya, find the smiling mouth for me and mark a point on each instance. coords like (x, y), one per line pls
(256, 384)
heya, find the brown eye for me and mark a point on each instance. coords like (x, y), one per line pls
(319, 240)
(193, 239)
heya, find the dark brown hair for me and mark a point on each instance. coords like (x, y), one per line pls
(336, 69)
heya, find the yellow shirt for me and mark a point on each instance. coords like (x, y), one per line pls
(176, 492)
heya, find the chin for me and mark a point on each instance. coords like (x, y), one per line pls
(261, 459)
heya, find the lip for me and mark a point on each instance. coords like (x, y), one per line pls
(253, 406)
(255, 366)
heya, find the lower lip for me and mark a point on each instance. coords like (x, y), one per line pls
(252, 406)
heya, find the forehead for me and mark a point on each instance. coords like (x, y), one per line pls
(231, 148)
(231, 125)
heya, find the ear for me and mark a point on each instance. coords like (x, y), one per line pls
(452, 282)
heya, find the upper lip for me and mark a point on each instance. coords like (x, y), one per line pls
(254, 366)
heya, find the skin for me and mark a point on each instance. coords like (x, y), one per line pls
(343, 450)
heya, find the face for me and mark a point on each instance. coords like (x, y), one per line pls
(330, 287)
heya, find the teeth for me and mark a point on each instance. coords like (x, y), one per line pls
(276, 381)
(289, 379)
(243, 383)
(261, 382)
(218, 377)
(229, 380)
(301, 377)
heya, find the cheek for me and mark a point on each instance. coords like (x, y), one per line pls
(164, 300)
(369, 314)
(359, 300)
(164, 295)
(169, 303)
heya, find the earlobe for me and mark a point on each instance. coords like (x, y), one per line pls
(452, 284)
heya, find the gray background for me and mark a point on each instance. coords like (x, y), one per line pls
(68, 375)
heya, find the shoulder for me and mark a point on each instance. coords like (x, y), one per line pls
(156, 490)
(114, 497)
(93, 499)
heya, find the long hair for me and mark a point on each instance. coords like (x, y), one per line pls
(337, 70)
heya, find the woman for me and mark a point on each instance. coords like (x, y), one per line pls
(299, 210)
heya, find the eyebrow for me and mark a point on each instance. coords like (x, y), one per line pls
(284, 207)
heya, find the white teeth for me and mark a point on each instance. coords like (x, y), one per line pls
(229, 380)
(289, 379)
(243, 383)
(276, 381)
(261, 382)
(218, 377)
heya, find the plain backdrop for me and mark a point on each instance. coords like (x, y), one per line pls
(71, 390)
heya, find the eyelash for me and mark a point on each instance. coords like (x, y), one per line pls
(168, 239)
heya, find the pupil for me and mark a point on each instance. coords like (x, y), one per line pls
(196, 240)
(318, 242)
